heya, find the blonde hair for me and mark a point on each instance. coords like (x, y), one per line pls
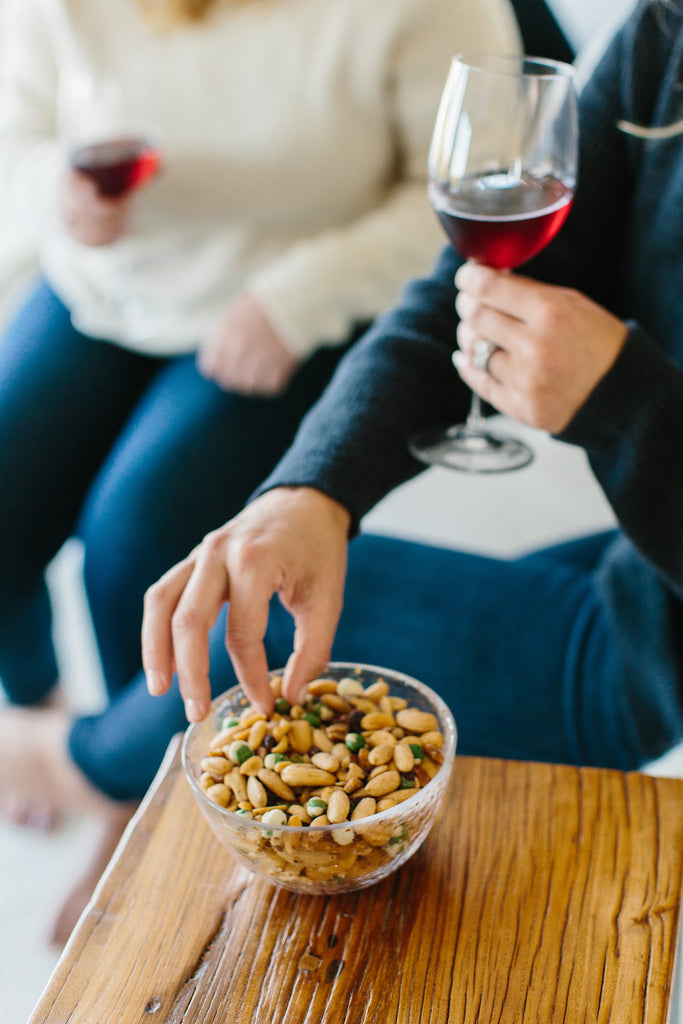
(166, 13)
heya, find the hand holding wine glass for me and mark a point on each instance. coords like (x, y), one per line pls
(553, 344)
(502, 173)
(89, 217)
(112, 151)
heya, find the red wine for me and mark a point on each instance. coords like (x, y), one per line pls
(500, 221)
(117, 166)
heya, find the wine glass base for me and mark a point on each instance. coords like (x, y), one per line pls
(470, 450)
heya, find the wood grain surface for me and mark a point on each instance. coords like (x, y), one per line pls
(545, 894)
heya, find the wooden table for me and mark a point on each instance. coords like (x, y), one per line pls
(545, 894)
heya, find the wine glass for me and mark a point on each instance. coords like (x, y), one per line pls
(112, 142)
(501, 179)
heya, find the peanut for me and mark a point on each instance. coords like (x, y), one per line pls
(217, 766)
(322, 741)
(364, 808)
(320, 686)
(256, 794)
(383, 784)
(219, 793)
(257, 734)
(404, 759)
(306, 775)
(381, 754)
(237, 784)
(416, 720)
(382, 738)
(376, 720)
(349, 687)
(334, 701)
(276, 783)
(338, 806)
(377, 690)
(328, 762)
(301, 736)
(251, 766)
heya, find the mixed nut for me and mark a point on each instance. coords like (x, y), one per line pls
(343, 755)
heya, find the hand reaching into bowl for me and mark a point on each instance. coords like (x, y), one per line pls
(291, 542)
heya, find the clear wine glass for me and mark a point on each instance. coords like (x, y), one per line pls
(111, 140)
(501, 179)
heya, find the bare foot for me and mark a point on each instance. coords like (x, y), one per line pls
(38, 780)
(56, 698)
(77, 899)
(39, 784)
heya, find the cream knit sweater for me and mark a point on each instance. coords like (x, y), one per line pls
(296, 136)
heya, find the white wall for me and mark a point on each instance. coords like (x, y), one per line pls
(583, 19)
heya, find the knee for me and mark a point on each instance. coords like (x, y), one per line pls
(114, 555)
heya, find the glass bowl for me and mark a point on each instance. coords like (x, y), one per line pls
(327, 858)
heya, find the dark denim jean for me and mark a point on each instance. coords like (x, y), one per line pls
(520, 650)
(137, 456)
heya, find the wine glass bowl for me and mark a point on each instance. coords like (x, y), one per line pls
(120, 165)
(501, 179)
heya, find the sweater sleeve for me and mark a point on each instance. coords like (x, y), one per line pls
(318, 291)
(31, 159)
(631, 424)
(630, 427)
(353, 444)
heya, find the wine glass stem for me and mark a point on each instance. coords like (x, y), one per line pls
(476, 422)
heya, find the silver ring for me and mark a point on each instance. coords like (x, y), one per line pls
(481, 354)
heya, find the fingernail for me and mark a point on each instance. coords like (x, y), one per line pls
(301, 694)
(461, 272)
(194, 710)
(459, 359)
(156, 683)
(39, 819)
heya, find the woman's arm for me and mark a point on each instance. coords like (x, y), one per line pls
(319, 291)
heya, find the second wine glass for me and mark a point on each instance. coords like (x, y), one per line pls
(111, 141)
(502, 175)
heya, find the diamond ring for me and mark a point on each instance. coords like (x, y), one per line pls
(481, 354)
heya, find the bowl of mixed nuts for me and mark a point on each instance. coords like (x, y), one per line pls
(329, 795)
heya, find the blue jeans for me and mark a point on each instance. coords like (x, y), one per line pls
(520, 650)
(141, 457)
(137, 456)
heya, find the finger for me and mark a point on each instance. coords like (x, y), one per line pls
(83, 185)
(160, 603)
(245, 631)
(197, 609)
(488, 384)
(316, 616)
(500, 363)
(312, 649)
(205, 362)
(513, 294)
(466, 337)
(503, 330)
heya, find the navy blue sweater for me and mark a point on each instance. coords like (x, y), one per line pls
(622, 245)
